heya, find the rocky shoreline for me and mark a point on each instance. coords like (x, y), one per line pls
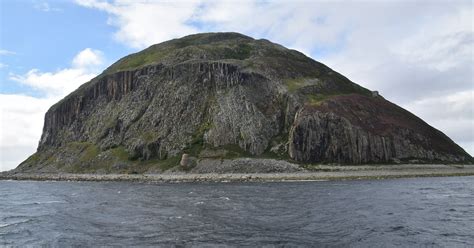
(322, 172)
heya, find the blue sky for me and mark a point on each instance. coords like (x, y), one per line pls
(418, 54)
(48, 39)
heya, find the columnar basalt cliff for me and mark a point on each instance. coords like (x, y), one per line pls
(223, 96)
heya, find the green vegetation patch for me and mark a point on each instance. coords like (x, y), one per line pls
(235, 151)
(161, 164)
(240, 52)
(169, 163)
(90, 153)
(197, 143)
(317, 99)
(136, 60)
(86, 150)
(149, 136)
(33, 159)
(194, 149)
(186, 49)
(294, 84)
(120, 153)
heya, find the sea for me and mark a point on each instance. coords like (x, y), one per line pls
(414, 212)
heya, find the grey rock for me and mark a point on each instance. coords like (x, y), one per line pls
(245, 165)
(228, 92)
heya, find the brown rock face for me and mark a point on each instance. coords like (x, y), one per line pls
(230, 93)
(361, 129)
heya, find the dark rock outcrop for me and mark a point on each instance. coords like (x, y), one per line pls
(359, 129)
(227, 92)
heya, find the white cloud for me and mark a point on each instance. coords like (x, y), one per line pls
(45, 7)
(22, 117)
(304, 25)
(441, 48)
(142, 23)
(457, 106)
(21, 125)
(54, 83)
(297, 24)
(3, 65)
(87, 58)
(454, 113)
(59, 83)
(6, 52)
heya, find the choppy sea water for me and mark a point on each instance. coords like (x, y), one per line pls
(396, 212)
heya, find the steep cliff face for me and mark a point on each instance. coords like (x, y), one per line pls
(360, 129)
(227, 92)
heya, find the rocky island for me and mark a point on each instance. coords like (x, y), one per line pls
(228, 103)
